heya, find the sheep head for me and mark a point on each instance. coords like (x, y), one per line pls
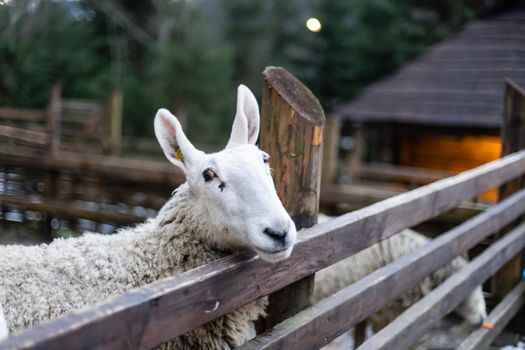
(473, 308)
(234, 187)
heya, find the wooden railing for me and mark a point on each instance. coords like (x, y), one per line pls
(70, 124)
(151, 315)
(68, 155)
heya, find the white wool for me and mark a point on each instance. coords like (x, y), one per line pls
(348, 271)
(43, 282)
(4, 332)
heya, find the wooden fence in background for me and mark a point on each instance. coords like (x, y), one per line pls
(67, 124)
(148, 316)
(65, 163)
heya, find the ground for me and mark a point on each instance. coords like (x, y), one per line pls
(445, 336)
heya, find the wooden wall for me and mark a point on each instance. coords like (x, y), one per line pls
(447, 152)
(450, 152)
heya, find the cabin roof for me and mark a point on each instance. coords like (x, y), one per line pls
(457, 82)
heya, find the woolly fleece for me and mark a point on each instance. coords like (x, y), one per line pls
(39, 283)
(348, 271)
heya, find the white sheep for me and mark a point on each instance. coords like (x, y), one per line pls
(348, 271)
(228, 203)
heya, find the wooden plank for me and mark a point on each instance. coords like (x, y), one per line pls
(481, 338)
(353, 197)
(465, 118)
(408, 94)
(292, 132)
(385, 171)
(83, 105)
(175, 305)
(357, 196)
(113, 193)
(435, 151)
(454, 164)
(53, 119)
(465, 211)
(513, 138)
(359, 333)
(125, 169)
(50, 191)
(115, 121)
(69, 209)
(22, 114)
(356, 156)
(323, 322)
(80, 120)
(466, 89)
(24, 135)
(75, 133)
(331, 138)
(420, 317)
(463, 74)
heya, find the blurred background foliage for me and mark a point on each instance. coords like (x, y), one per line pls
(189, 55)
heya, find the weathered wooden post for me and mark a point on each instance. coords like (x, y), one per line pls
(53, 126)
(513, 140)
(332, 135)
(115, 121)
(291, 132)
(53, 122)
(355, 160)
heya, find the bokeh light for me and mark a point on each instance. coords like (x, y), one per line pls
(313, 25)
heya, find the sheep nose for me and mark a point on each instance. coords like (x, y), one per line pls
(276, 235)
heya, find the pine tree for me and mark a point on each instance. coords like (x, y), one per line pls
(192, 70)
(47, 46)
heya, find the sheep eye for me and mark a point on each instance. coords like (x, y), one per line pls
(208, 175)
(266, 158)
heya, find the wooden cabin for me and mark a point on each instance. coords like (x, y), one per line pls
(443, 111)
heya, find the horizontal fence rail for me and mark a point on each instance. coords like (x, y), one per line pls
(162, 310)
(68, 209)
(24, 135)
(420, 317)
(321, 323)
(140, 170)
(25, 115)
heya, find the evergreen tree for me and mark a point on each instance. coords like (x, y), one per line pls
(248, 26)
(192, 70)
(189, 55)
(363, 40)
(49, 45)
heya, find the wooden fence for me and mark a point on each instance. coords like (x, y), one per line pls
(66, 124)
(148, 316)
(64, 162)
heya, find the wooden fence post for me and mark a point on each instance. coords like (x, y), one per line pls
(291, 132)
(355, 160)
(513, 140)
(115, 121)
(53, 122)
(332, 135)
(53, 126)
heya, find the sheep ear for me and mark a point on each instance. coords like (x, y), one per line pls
(176, 146)
(246, 124)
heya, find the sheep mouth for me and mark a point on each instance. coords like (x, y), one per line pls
(275, 255)
(275, 251)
